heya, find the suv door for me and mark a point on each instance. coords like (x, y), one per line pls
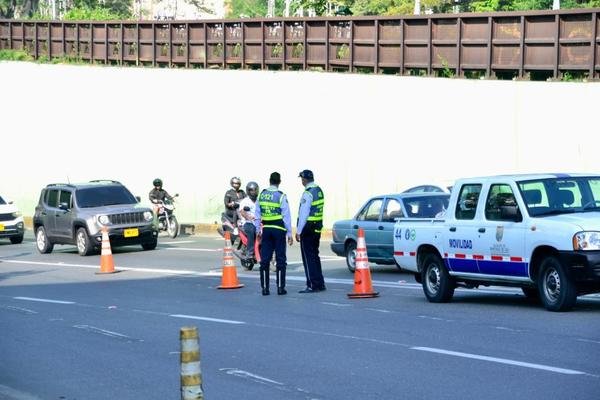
(48, 213)
(64, 215)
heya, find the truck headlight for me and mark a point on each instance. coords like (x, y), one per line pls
(103, 219)
(148, 215)
(586, 241)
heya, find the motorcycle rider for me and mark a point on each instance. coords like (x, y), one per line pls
(232, 198)
(158, 194)
(246, 215)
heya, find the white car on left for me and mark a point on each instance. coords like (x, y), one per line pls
(11, 222)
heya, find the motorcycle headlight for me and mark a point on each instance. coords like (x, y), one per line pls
(148, 215)
(103, 219)
(586, 241)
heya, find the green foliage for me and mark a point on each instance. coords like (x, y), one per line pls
(446, 71)
(15, 55)
(252, 8)
(276, 50)
(343, 52)
(99, 14)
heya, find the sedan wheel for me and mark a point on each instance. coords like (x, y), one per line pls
(351, 256)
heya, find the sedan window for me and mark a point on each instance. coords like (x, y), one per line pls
(371, 211)
(392, 210)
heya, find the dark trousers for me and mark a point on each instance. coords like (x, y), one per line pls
(250, 231)
(309, 246)
(273, 240)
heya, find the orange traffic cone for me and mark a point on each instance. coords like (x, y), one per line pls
(363, 287)
(107, 264)
(229, 278)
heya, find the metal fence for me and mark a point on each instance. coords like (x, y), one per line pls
(551, 43)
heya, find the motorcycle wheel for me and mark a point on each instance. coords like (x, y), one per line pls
(173, 229)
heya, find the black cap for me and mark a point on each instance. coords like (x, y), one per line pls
(275, 178)
(306, 174)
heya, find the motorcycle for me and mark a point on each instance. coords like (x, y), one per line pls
(239, 243)
(166, 219)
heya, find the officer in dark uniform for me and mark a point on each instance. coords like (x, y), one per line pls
(273, 223)
(308, 232)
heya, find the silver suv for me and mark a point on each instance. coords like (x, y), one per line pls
(76, 213)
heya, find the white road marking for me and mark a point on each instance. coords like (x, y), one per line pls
(183, 241)
(44, 300)
(217, 272)
(104, 332)
(589, 341)
(378, 310)
(19, 309)
(249, 375)
(503, 328)
(335, 304)
(191, 249)
(501, 361)
(223, 321)
(15, 394)
(434, 318)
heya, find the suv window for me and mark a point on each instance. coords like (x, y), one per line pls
(52, 197)
(2, 200)
(104, 196)
(65, 197)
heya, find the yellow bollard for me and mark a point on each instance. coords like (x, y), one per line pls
(191, 377)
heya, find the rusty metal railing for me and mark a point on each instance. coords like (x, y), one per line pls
(490, 44)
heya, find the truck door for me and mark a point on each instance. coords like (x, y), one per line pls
(500, 247)
(461, 233)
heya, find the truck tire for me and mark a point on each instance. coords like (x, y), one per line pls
(42, 242)
(438, 285)
(557, 290)
(351, 256)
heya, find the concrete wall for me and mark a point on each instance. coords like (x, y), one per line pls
(361, 134)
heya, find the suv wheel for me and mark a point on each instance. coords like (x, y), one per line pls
(42, 242)
(150, 245)
(84, 244)
(16, 239)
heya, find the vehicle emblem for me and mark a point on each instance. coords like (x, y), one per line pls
(499, 233)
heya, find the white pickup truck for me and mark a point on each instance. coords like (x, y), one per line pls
(539, 232)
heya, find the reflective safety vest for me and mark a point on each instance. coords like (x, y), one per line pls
(315, 214)
(270, 209)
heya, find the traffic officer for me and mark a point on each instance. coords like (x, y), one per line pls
(308, 232)
(273, 222)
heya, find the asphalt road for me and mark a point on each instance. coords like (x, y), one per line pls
(68, 333)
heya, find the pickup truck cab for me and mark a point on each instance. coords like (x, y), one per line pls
(540, 232)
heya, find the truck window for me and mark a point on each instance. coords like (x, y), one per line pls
(467, 201)
(371, 211)
(392, 210)
(499, 196)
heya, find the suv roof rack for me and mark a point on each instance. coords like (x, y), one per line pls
(60, 184)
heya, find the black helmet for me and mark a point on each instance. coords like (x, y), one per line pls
(252, 190)
(157, 182)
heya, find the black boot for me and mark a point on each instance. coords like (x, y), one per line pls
(264, 280)
(281, 281)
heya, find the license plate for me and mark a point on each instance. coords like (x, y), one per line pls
(1, 227)
(133, 232)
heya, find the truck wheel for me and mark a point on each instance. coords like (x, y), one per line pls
(351, 256)
(42, 242)
(531, 293)
(84, 244)
(438, 285)
(557, 290)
